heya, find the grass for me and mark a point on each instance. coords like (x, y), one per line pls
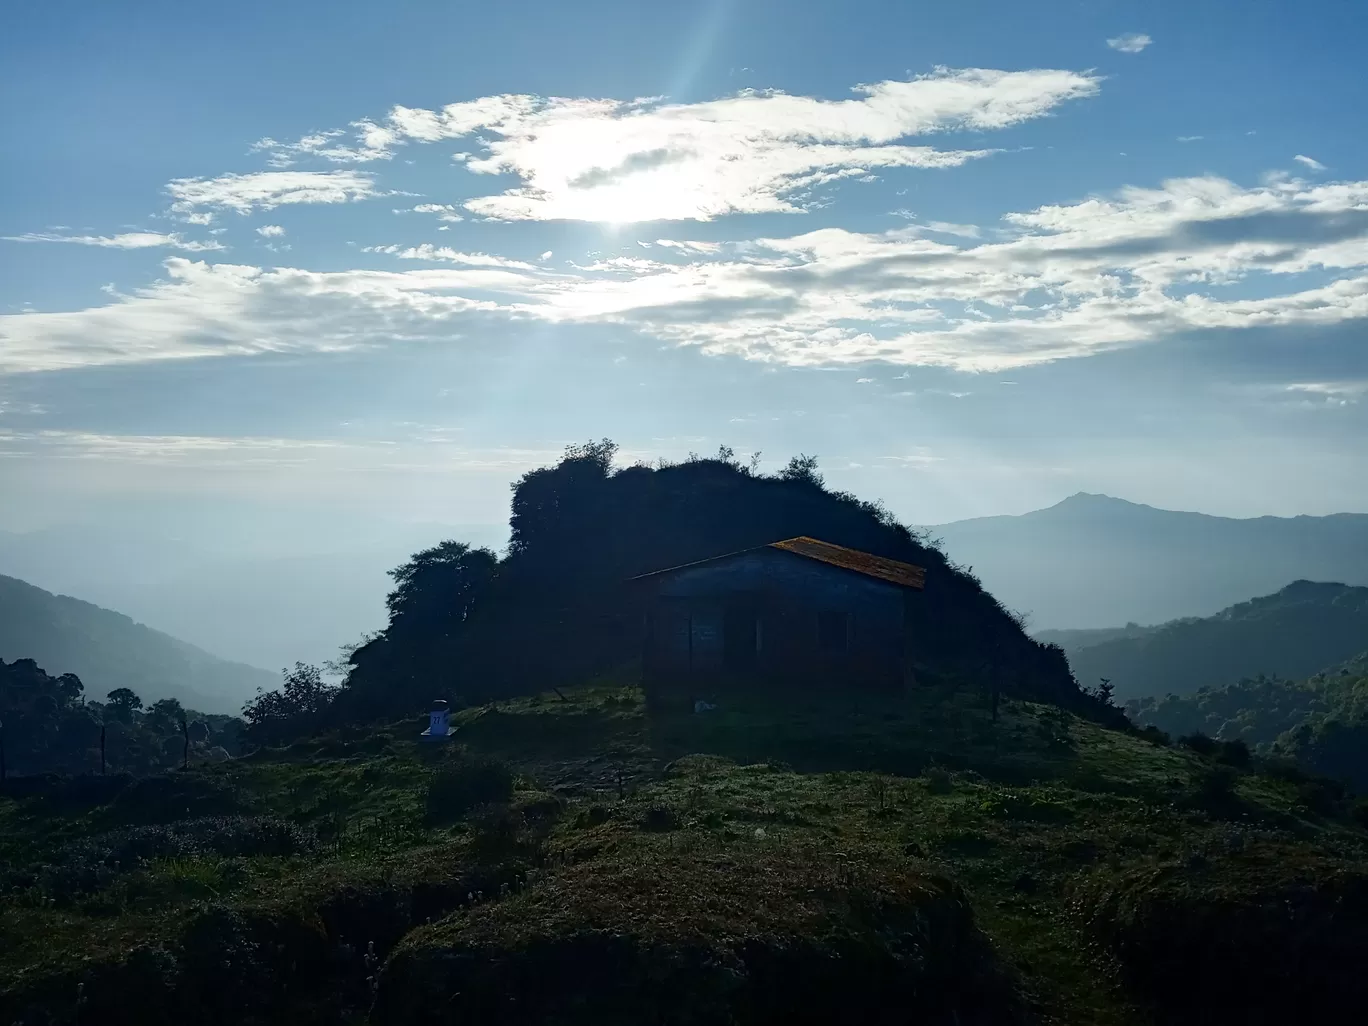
(1037, 865)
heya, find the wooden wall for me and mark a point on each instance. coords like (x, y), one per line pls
(700, 639)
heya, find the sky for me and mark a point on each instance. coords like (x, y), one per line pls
(376, 261)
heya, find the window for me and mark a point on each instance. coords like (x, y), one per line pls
(833, 631)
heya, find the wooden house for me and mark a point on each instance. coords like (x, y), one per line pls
(799, 612)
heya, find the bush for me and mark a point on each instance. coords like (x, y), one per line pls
(90, 864)
(1155, 736)
(938, 780)
(1199, 743)
(1358, 812)
(1233, 753)
(456, 788)
(1321, 795)
(1214, 789)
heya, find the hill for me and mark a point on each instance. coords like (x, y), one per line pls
(1292, 633)
(557, 608)
(573, 858)
(1097, 561)
(108, 650)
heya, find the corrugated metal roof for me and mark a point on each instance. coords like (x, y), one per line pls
(905, 575)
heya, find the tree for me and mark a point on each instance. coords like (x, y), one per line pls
(164, 716)
(436, 590)
(122, 704)
(803, 469)
(294, 710)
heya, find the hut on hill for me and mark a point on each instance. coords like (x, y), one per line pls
(798, 612)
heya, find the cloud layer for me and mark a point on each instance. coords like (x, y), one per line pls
(266, 190)
(1197, 254)
(125, 240)
(645, 160)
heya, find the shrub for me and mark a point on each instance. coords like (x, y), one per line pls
(659, 818)
(1358, 812)
(938, 780)
(1199, 743)
(1155, 736)
(90, 864)
(1321, 795)
(456, 788)
(496, 831)
(1232, 753)
(1214, 789)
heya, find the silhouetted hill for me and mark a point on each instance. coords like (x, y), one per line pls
(107, 650)
(557, 608)
(1096, 561)
(1292, 633)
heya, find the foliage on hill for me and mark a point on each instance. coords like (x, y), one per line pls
(570, 854)
(1321, 721)
(49, 727)
(1292, 633)
(107, 650)
(557, 608)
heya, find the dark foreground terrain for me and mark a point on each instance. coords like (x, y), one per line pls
(572, 861)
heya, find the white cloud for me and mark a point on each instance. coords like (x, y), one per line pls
(427, 251)
(126, 240)
(270, 231)
(202, 218)
(756, 152)
(444, 211)
(1130, 42)
(1337, 393)
(1311, 162)
(266, 190)
(1189, 138)
(1055, 282)
(545, 256)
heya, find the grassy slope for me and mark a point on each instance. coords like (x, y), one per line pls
(801, 831)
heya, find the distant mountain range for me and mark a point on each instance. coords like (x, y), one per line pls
(1295, 632)
(108, 650)
(1093, 561)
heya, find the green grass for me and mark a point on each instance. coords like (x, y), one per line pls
(1055, 857)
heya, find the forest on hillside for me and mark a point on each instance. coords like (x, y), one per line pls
(1322, 721)
(1293, 633)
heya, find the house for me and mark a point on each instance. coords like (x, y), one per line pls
(793, 613)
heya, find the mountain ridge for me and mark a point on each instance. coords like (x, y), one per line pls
(108, 649)
(1293, 633)
(1096, 561)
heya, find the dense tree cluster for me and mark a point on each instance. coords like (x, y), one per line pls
(558, 607)
(1322, 721)
(49, 726)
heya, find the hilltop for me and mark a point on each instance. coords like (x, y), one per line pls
(570, 855)
(1096, 561)
(108, 650)
(1292, 633)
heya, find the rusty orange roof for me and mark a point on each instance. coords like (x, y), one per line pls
(905, 574)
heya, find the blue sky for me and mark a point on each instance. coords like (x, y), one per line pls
(381, 259)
